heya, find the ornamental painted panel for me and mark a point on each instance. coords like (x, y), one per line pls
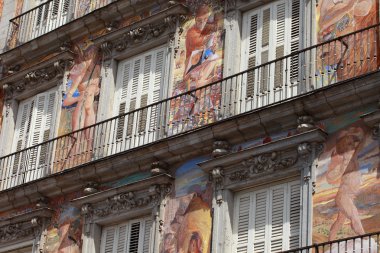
(199, 61)
(347, 198)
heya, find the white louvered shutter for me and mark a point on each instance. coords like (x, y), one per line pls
(20, 141)
(265, 38)
(242, 219)
(294, 200)
(268, 220)
(139, 84)
(34, 125)
(108, 240)
(42, 123)
(130, 237)
(277, 218)
(260, 218)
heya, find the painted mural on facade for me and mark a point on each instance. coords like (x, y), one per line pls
(198, 62)
(64, 234)
(79, 105)
(188, 212)
(343, 59)
(12, 41)
(347, 198)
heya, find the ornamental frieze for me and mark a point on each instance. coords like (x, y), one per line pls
(262, 163)
(126, 201)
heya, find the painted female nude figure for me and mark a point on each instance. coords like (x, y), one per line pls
(344, 170)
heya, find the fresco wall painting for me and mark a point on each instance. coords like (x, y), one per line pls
(79, 106)
(12, 39)
(347, 199)
(198, 62)
(353, 55)
(188, 212)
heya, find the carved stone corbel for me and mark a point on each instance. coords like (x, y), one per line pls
(159, 168)
(13, 69)
(217, 177)
(305, 123)
(111, 26)
(220, 148)
(66, 46)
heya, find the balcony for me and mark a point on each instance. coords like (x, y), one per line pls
(47, 17)
(285, 79)
(368, 243)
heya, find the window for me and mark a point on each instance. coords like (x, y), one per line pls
(34, 125)
(268, 220)
(269, 33)
(132, 237)
(139, 84)
(50, 16)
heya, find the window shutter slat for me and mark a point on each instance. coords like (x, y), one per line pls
(134, 235)
(109, 240)
(295, 33)
(121, 239)
(252, 54)
(147, 233)
(261, 219)
(280, 41)
(294, 215)
(243, 223)
(277, 215)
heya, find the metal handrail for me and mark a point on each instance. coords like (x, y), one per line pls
(329, 245)
(28, 25)
(232, 98)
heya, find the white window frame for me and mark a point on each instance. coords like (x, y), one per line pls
(14, 179)
(141, 240)
(259, 98)
(266, 189)
(154, 94)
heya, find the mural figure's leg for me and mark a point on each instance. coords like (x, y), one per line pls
(337, 225)
(351, 212)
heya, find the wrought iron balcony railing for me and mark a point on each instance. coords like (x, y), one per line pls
(47, 17)
(367, 243)
(334, 61)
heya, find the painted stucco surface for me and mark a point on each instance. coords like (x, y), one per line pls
(347, 198)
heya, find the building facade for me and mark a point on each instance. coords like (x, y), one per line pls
(189, 126)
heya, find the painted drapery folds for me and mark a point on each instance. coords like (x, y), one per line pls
(343, 59)
(79, 106)
(198, 62)
(188, 212)
(347, 199)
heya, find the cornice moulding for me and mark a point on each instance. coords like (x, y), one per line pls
(178, 9)
(133, 187)
(37, 213)
(313, 136)
(18, 75)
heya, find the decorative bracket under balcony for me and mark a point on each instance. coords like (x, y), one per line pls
(20, 84)
(24, 227)
(153, 27)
